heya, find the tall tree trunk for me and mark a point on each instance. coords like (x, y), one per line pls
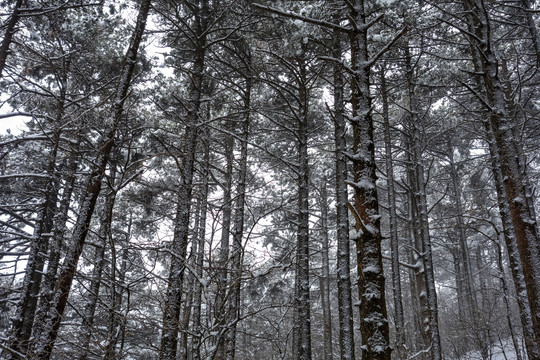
(467, 301)
(325, 276)
(59, 230)
(533, 350)
(418, 280)
(99, 263)
(345, 306)
(374, 325)
(116, 319)
(199, 261)
(237, 256)
(47, 335)
(509, 157)
(422, 209)
(302, 301)
(220, 306)
(173, 300)
(400, 346)
(24, 319)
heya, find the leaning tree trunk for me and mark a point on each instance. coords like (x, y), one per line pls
(8, 34)
(47, 335)
(509, 159)
(23, 320)
(99, 263)
(56, 243)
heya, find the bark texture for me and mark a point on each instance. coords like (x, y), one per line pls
(47, 335)
(173, 300)
(374, 325)
(507, 155)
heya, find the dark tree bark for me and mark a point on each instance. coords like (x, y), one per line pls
(99, 264)
(400, 345)
(302, 301)
(237, 255)
(419, 187)
(8, 34)
(345, 306)
(508, 155)
(173, 300)
(374, 325)
(48, 334)
(23, 321)
(324, 279)
(199, 261)
(57, 239)
(416, 274)
(220, 306)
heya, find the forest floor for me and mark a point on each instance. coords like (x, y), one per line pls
(503, 350)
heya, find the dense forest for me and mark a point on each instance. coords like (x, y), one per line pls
(287, 179)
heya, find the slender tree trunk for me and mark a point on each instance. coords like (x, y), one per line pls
(237, 255)
(421, 202)
(302, 301)
(47, 336)
(118, 287)
(325, 276)
(345, 306)
(171, 313)
(400, 346)
(99, 263)
(374, 325)
(200, 241)
(188, 304)
(418, 280)
(506, 297)
(24, 319)
(220, 307)
(467, 300)
(59, 230)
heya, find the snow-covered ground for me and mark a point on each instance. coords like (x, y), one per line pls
(503, 350)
